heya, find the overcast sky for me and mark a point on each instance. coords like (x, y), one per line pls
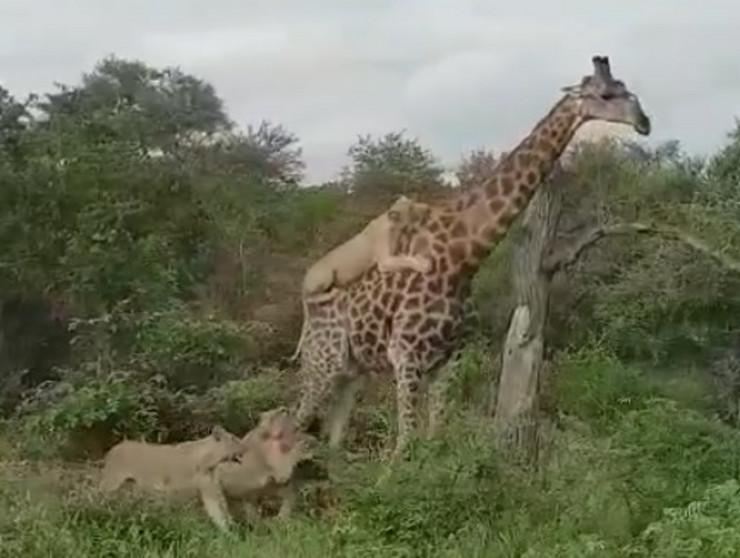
(458, 74)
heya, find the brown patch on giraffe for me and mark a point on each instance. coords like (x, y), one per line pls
(496, 205)
(442, 237)
(444, 265)
(448, 329)
(412, 302)
(508, 166)
(438, 307)
(531, 178)
(403, 279)
(460, 230)
(507, 185)
(378, 313)
(413, 320)
(385, 299)
(435, 340)
(506, 218)
(354, 312)
(435, 286)
(408, 338)
(356, 338)
(545, 146)
(429, 324)
(473, 199)
(479, 250)
(433, 226)
(492, 233)
(447, 221)
(416, 283)
(520, 201)
(458, 253)
(491, 189)
(439, 248)
(370, 338)
(421, 346)
(397, 298)
(388, 280)
(524, 159)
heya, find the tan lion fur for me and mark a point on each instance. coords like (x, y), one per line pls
(264, 459)
(184, 470)
(269, 471)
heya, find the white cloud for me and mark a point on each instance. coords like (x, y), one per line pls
(456, 73)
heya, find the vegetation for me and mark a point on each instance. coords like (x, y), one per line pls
(149, 275)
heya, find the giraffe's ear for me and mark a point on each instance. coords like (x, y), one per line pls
(394, 216)
(572, 89)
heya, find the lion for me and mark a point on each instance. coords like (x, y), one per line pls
(183, 470)
(374, 245)
(270, 471)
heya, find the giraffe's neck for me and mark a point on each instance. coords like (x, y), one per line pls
(489, 209)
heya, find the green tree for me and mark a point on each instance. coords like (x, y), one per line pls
(391, 165)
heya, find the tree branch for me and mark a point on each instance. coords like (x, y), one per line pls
(570, 254)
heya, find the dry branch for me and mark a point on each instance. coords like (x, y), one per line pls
(569, 255)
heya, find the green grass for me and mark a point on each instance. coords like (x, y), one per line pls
(631, 472)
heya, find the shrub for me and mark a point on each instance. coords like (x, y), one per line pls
(591, 383)
(705, 527)
(84, 413)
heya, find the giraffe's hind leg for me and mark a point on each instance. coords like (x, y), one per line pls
(437, 402)
(323, 364)
(408, 380)
(347, 389)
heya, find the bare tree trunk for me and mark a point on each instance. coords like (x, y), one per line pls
(516, 414)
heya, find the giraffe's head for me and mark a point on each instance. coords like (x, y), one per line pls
(604, 98)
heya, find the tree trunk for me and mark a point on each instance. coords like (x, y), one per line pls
(516, 414)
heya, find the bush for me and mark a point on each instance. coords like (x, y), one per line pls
(425, 504)
(189, 351)
(84, 413)
(705, 527)
(592, 384)
(236, 404)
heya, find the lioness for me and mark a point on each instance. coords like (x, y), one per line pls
(373, 245)
(184, 470)
(275, 447)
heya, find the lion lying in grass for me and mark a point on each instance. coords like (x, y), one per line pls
(214, 467)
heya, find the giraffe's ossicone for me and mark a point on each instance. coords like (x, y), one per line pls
(408, 323)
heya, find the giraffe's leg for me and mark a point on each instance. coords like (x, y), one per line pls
(323, 364)
(320, 380)
(408, 379)
(438, 392)
(347, 391)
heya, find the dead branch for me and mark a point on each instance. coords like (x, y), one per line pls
(570, 254)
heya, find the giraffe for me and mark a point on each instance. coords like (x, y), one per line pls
(408, 323)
